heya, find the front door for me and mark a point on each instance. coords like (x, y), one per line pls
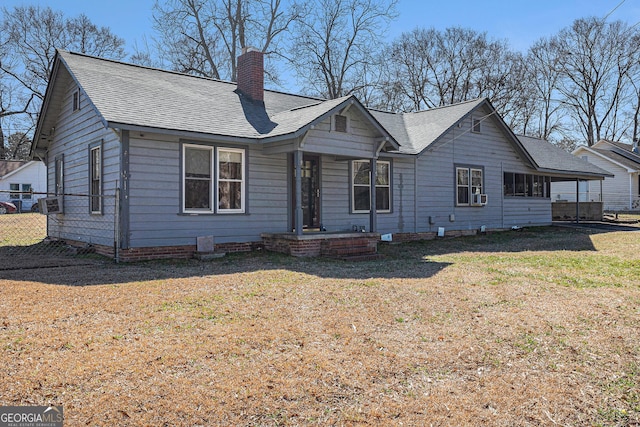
(310, 192)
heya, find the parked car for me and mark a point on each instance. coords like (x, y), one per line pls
(7, 208)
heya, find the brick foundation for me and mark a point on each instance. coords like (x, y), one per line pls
(339, 245)
(162, 252)
(181, 252)
(412, 237)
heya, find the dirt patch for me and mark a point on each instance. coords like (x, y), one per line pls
(511, 329)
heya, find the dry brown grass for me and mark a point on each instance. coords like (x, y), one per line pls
(22, 229)
(512, 329)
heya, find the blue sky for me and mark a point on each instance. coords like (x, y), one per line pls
(522, 22)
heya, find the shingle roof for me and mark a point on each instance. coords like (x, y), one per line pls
(141, 97)
(628, 160)
(416, 131)
(552, 158)
(8, 166)
(132, 95)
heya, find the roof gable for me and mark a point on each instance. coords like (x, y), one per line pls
(134, 97)
(8, 167)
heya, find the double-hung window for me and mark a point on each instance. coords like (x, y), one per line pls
(213, 174)
(361, 186)
(95, 178)
(14, 191)
(468, 182)
(230, 180)
(26, 191)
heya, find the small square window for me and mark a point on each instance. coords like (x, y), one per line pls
(476, 127)
(340, 123)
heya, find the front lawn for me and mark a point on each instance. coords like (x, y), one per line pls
(538, 327)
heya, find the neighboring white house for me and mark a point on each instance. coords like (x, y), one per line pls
(18, 179)
(620, 193)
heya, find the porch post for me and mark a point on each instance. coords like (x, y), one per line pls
(372, 191)
(577, 201)
(297, 160)
(601, 193)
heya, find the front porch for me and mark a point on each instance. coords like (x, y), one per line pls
(340, 245)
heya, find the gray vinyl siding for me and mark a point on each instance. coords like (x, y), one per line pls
(155, 197)
(358, 142)
(74, 132)
(336, 197)
(401, 219)
(335, 214)
(490, 150)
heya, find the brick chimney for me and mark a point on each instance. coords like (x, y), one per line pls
(251, 73)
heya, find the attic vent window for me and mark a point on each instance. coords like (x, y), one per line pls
(76, 100)
(340, 123)
(476, 125)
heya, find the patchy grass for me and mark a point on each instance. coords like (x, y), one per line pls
(22, 229)
(511, 329)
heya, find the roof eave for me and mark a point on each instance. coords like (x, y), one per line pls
(15, 171)
(350, 101)
(603, 156)
(575, 174)
(45, 105)
(182, 133)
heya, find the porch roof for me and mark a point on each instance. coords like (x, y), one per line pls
(555, 161)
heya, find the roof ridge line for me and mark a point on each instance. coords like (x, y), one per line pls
(178, 73)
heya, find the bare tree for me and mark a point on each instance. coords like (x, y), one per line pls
(205, 37)
(29, 36)
(597, 59)
(434, 68)
(14, 103)
(33, 34)
(333, 50)
(542, 116)
(18, 146)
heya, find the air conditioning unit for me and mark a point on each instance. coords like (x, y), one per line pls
(479, 199)
(50, 205)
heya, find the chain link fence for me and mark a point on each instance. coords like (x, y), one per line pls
(74, 229)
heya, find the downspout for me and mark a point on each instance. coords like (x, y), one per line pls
(373, 173)
(502, 200)
(415, 194)
(630, 191)
(577, 200)
(297, 160)
(124, 223)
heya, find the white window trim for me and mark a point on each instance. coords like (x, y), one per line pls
(26, 193)
(470, 170)
(353, 185)
(211, 174)
(242, 180)
(14, 194)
